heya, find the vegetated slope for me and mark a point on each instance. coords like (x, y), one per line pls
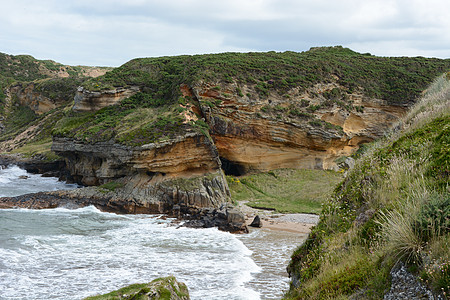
(32, 94)
(160, 104)
(393, 207)
(25, 68)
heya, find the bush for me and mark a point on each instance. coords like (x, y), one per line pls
(434, 217)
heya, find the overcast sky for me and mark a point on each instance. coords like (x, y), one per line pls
(111, 32)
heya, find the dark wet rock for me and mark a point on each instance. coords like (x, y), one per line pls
(36, 165)
(256, 222)
(226, 218)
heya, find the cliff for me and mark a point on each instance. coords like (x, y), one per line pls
(154, 126)
(262, 110)
(85, 100)
(260, 134)
(33, 94)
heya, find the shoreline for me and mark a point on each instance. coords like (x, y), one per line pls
(271, 220)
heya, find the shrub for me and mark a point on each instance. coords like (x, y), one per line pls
(434, 217)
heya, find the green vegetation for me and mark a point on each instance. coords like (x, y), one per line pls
(159, 80)
(395, 79)
(126, 124)
(37, 141)
(393, 206)
(111, 186)
(25, 68)
(24, 71)
(16, 119)
(161, 288)
(40, 149)
(285, 190)
(59, 88)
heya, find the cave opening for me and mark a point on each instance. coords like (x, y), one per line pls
(232, 168)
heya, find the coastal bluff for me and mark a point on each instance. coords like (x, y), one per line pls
(159, 135)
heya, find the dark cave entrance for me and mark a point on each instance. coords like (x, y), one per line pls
(232, 168)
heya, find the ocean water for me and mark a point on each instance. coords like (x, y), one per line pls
(71, 254)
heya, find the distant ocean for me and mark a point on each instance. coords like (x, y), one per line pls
(71, 254)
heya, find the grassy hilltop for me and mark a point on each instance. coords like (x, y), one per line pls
(47, 78)
(155, 114)
(394, 206)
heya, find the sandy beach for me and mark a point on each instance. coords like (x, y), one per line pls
(271, 220)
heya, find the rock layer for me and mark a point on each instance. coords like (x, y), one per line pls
(93, 164)
(296, 130)
(92, 101)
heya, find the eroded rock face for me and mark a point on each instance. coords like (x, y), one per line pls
(301, 129)
(93, 164)
(27, 95)
(152, 178)
(85, 100)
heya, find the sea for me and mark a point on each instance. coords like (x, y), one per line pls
(66, 253)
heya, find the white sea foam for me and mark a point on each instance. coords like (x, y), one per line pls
(74, 253)
(71, 254)
(15, 181)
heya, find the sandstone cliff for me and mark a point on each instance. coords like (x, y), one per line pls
(180, 177)
(149, 168)
(85, 100)
(260, 134)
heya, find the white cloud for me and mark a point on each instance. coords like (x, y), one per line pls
(110, 32)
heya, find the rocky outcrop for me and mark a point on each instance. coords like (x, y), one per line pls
(179, 177)
(300, 129)
(27, 95)
(86, 100)
(35, 165)
(226, 218)
(162, 288)
(203, 201)
(406, 286)
(186, 156)
(256, 222)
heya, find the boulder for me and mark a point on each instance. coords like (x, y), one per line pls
(162, 288)
(256, 222)
(226, 218)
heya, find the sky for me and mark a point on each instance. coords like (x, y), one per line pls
(112, 32)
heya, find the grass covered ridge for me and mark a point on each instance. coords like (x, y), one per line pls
(393, 206)
(395, 79)
(285, 190)
(129, 123)
(160, 102)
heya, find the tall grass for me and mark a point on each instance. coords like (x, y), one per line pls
(434, 104)
(402, 237)
(395, 203)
